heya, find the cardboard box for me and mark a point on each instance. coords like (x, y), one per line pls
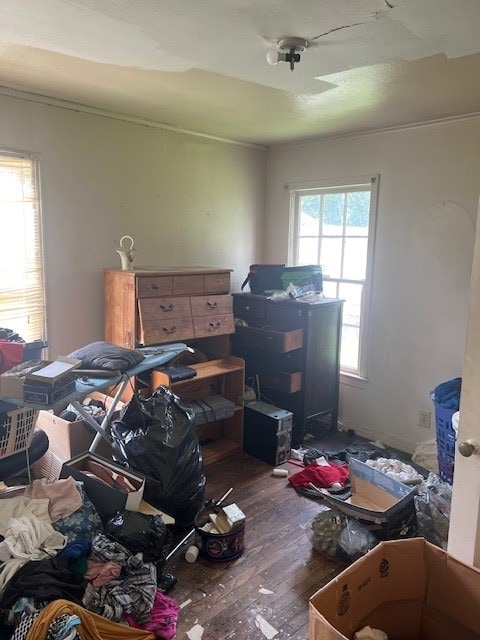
(410, 589)
(107, 500)
(70, 439)
(382, 504)
(11, 381)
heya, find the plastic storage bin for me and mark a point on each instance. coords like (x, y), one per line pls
(33, 350)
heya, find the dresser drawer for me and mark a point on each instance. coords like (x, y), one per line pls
(277, 339)
(151, 309)
(188, 284)
(288, 361)
(205, 327)
(250, 309)
(294, 314)
(280, 380)
(167, 330)
(154, 286)
(216, 282)
(211, 305)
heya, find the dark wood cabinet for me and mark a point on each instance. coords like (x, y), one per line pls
(294, 349)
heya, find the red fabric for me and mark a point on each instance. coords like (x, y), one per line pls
(11, 354)
(320, 476)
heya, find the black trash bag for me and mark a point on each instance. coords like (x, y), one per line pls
(141, 533)
(165, 448)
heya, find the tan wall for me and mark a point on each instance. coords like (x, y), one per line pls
(185, 200)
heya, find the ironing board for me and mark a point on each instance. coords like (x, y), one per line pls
(153, 357)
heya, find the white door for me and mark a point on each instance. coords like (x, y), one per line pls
(464, 533)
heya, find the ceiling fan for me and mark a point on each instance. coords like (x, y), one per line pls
(287, 49)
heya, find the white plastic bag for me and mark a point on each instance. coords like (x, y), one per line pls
(426, 455)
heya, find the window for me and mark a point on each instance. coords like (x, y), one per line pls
(22, 293)
(334, 225)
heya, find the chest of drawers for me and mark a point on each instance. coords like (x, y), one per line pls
(147, 306)
(294, 350)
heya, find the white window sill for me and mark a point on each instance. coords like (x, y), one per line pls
(353, 380)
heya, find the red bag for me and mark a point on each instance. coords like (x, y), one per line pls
(11, 354)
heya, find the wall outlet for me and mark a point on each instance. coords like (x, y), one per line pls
(424, 418)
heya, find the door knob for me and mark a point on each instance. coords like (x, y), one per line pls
(468, 447)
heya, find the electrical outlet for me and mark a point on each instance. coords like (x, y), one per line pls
(424, 418)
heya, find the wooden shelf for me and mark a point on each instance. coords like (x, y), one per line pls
(223, 376)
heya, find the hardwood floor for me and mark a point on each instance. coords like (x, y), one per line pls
(226, 599)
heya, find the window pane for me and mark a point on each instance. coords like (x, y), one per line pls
(333, 208)
(330, 289)
(331, 257)
(355, 260)
(352, 308)
(349, 349)
(309, 215)
(307, 251)
(358, 213)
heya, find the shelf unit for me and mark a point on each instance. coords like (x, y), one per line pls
(224, 376)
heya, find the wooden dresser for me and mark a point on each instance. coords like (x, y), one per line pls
(294, 349)
(149, 305)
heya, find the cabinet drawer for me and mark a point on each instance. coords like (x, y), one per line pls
(289, 361)
(249, 309)
(272, 339)
(163, 308)
(205, 327)
(174, 330)
(211, 305)
(183, 285)
(294, 314)
(280, 380)
(217, 282)
(154, 286)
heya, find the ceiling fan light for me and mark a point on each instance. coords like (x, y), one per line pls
(273, 57)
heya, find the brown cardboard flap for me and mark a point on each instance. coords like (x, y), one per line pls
(369, 496)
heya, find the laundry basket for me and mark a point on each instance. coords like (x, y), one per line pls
(16, 430)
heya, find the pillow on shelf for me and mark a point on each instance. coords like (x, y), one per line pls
(103, 355)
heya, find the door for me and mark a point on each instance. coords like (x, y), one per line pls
(464, 533)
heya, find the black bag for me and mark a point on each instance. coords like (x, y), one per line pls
(162, 443)
(264, 277)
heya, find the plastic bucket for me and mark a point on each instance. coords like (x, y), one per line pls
(218, 547)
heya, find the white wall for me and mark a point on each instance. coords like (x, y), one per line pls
(428, 195)
(185, 200)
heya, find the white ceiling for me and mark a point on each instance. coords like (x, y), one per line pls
(200, 65)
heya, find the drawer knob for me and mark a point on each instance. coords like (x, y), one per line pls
(154, 287)
(170, 329)
(212, 305)
(214, 325)
(167, 307)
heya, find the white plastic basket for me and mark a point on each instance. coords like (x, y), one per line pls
(16, 431)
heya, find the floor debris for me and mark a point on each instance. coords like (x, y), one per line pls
(186, 603)
(265, 627)
(196, 632)
(267, 592)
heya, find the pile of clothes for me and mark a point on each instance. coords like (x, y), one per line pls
(62, 576)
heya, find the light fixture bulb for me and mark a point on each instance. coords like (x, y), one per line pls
(272, 57)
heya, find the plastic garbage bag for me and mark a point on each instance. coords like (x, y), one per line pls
(324, 532)
(355, 540)
(161, 442)
(141, 533)
(432, 504)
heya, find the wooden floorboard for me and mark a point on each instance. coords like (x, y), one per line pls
(225, 599)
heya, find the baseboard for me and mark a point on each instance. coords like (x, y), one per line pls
(386, 438)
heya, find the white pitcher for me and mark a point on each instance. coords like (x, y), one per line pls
(126, 255)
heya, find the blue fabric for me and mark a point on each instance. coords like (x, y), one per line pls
(447, 394)
(83, 524)
(76, 549)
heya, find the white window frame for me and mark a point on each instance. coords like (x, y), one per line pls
(339, 185)
(35, 297)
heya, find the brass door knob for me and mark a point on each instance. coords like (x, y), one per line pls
(468, 448)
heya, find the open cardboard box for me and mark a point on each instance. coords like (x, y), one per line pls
(382, 504)
(69, 439)
(107, 499)
(410, 589)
